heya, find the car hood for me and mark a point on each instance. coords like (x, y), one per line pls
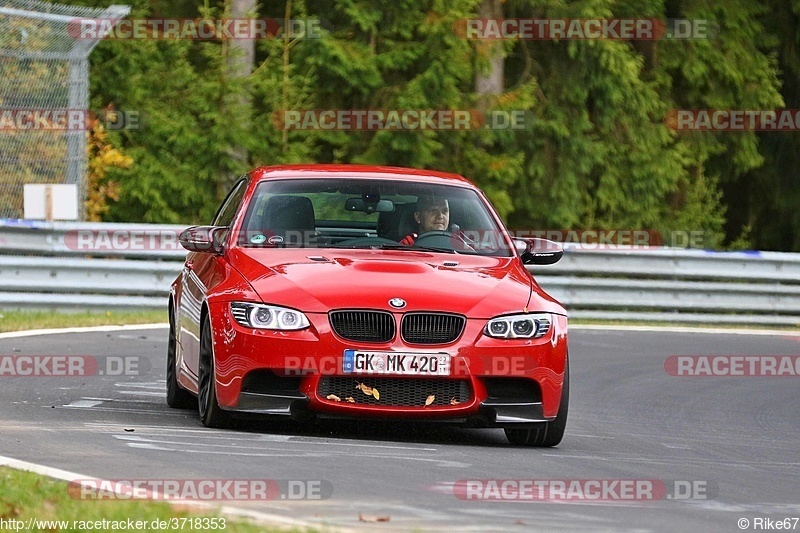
(318, 280)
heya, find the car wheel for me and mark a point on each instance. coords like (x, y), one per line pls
(211, 414)
(546, 434)
(176, 396)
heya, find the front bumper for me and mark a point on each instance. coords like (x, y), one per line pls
(490, 413)
(507, 381)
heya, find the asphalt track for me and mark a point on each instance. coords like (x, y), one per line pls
(736, 438)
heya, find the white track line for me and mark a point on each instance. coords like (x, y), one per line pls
(201, 506)
(90, 329)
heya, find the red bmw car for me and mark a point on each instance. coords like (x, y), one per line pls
(374, 292)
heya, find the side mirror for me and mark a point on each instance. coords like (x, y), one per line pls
(203, 238)
(537, 251)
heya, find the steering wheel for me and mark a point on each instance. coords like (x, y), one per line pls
(444, 239)
(434, 233)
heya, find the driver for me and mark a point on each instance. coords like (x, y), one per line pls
(432, 214)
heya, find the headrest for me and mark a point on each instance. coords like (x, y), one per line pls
(397, 224)
(289, 216)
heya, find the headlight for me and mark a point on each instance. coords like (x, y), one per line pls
(530, 326)
(260, 316)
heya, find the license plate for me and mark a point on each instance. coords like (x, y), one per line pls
(417, 364)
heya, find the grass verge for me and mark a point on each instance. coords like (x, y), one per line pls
(25, 496)
(22, 320)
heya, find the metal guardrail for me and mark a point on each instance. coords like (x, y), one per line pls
(75, 265)
(80, 239)
(677, 285)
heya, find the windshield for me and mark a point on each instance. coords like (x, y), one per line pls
(379, 214)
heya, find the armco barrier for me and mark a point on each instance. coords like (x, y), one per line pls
(80, 239)
(679, 285)
(41, 266)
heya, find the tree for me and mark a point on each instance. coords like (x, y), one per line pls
(595, 151)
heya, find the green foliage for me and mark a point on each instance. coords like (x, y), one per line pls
(53, 505)
(595, 153)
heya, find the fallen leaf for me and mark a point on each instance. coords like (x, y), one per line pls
(368, 518)
(366, 389)
(350, 399)
(430, 399)
(453, 401)
(333, 397)
(10, 511)
(376, 394)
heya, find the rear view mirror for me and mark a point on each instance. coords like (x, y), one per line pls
(537, 251)
(363, 206)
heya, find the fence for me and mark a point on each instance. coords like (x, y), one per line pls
(45, 73)
(46, 267)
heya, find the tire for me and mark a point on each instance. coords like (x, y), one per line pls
(211, 414)
(545, 434)
(177, 397)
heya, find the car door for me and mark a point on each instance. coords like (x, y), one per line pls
(197, 278)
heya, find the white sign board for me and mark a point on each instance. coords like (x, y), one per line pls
(51, 202)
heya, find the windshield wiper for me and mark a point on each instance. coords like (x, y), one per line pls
(416, 247)
(350, 246)
(388, 246)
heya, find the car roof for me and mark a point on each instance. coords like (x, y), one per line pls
(358, 172)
